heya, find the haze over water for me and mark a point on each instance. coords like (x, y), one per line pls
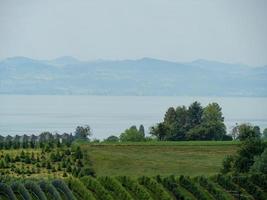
(110, 115)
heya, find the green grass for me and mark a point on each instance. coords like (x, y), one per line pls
(152, 158)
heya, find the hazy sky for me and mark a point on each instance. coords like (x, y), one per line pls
(178, 30)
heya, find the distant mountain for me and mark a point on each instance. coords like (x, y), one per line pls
(146, 76)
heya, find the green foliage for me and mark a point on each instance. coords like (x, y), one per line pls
(211, 188)
(79, 189)
(83, 132)
(63, 189)
(132, 185)
(252, 189)
(265, 134)
(93, 185)
(246, 132)
(191, 187)
(19, 189)
(115, 188)
(194, 123)
(229, 186)
(49, 190)
(112, 138)
(35, 190)
(7, 192)
(260, 164)
(172, 185)
(132, 135)
(157, 189)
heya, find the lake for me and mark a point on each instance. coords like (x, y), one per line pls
(106, 115)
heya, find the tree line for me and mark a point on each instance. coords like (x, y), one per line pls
(45, 139)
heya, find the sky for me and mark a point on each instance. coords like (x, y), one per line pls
(177, 30)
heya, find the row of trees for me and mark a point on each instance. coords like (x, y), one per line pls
(192, 123)
(45, 139)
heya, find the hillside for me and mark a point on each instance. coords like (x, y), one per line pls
(147, 76)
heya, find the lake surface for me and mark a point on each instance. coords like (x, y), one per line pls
(106, 115)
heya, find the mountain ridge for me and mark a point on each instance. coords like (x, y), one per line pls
(145, 76)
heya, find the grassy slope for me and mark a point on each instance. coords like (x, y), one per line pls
(165, 158)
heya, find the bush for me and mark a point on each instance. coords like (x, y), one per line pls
(18, 188)
(156, 188)
(35, 190)
(229, 186)
(114, 186)
(191, 187)
(172, 185)
(93, 185)
(7, 192)
(133, 186)
(49, 190)
(79, 190)
(211, 188)
(63, 189)
(252, 189)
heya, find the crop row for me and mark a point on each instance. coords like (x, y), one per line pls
(143, 188)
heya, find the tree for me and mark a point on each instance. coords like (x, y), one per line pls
(142, 130)
(160, 131)
(170, 116)
(83, 132)
(260, 164)
(195, 111)
(132, 135)
(265, 133)
(246, 131)
(112, 138)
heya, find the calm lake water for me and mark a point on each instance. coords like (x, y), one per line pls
(108, 115)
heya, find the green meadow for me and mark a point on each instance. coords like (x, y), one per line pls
(165, 158)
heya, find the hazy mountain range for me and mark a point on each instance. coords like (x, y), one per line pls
(146, 76)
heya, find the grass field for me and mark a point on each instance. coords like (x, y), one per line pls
(165, 158)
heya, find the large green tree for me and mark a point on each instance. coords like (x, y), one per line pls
(132, 135)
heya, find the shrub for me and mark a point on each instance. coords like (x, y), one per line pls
(132, 185)
(79, 190)
(156, 188)
(211, 188)
(7, 192)
(191, 187)
(112, 185)
(35, 190)
(18, 188)
(172, 185)
(93, 185)
(229, 186)
(49, 190)
(63, 189)
(252, 189)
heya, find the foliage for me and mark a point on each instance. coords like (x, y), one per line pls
(192, 123)
(260, 164)
(49, 190)
(155, 188)
(79, 189)
(172, 185)
(252, 189)
(18, 188)
(63, 189)
(132, 135)
(211, 188)
(190, 186)
(35, 190)
(93, 185)
(133, 186)
(112, 185)
(83, 132)
(112, 138)
(7, 191)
